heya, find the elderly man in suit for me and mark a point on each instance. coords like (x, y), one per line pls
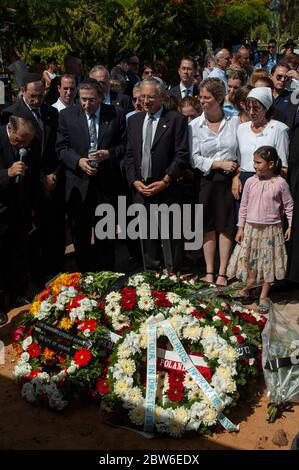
(91, 143)
(48, 249)
(157, 154)
(101, 75)
(17, 183)
(186, 87)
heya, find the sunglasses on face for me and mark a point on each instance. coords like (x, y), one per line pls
(284, 78)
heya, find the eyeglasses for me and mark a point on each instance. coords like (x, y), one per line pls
(271, 47)
(148, 98)
(284, 78)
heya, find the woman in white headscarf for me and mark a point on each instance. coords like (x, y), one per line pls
(260, 130)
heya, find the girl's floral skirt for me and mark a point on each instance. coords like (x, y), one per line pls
(261, 255)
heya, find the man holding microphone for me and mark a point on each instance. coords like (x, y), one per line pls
(17, 190)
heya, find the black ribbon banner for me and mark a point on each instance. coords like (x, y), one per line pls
(58, 339)
(246, 351)
(53, 343)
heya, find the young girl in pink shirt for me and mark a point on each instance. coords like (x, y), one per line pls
(260, 255)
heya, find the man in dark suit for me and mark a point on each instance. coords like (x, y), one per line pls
(157, 154)
(186, 87)
(49, 210)
(17, 183)
(101, 75)
(292, 273)
(92, 171)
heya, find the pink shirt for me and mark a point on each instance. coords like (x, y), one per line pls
(265, 201)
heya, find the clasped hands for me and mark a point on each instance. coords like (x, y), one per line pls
(151, 189)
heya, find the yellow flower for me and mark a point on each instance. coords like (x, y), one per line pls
(65, 280)
(35, 307)
(65, 324)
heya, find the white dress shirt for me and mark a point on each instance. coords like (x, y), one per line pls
(183, 89)
(207, 146)
(59, 105)
(275, 134)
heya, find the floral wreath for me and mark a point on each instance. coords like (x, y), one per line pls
(180, 404)
(52, 370)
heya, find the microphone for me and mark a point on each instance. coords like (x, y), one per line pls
(22, 153)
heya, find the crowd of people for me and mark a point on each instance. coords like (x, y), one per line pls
(225, 137)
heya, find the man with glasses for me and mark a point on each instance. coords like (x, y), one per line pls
(157, 154)
(273, 58)
(281, 95)
(91, 142)
(186, 87)
(222, 62)
(101, 75)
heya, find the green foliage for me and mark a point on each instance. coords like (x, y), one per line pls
(55, 50)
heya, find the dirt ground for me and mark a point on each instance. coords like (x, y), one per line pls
(82, 426)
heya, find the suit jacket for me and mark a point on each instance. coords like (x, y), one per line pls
(43, 145)
(293, 174)
(176, 91)
(15, 198)
(121, 101)
(170, 149)
(73, 144)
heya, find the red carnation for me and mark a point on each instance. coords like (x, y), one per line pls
(198, 314)
(175, 394)
(128, 299)
(88, 325)
(34, 373)
(240, 339)
(176, 379)
(34, 350)
(236, 329)
(82, 357)
(101, 304)
(75, 302)
(103, 386)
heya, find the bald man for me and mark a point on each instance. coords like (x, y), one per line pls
(17, 183)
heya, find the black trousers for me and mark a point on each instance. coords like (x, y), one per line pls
(101, 256)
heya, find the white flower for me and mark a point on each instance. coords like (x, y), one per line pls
(128, 366)
(175, 428)
(119, 322)
(173, 298)
(72, 368)
(144, 290)
(233, 339)
(89, 279)
(146, 303)
(136, 280)
(113, 297)
(210, 416)
(224, 329)
(123, 386)
(251, 361)
(134, 396)
(192, 332)
(22, 370)
(86, 332)
(27, 341)
(189, 381)
(186, 307)
(137, 415)
(25, 356)
(181, 415)
(112, 309)
(194, 393)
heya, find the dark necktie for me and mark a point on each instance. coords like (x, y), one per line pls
(146, 163)
(187, 92)
(92, 132)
